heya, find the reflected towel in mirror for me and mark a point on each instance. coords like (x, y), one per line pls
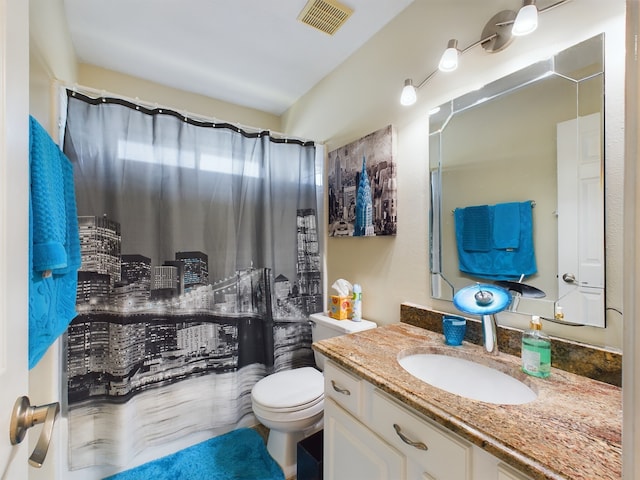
(476, 233)
(499, 263)
(506, 226)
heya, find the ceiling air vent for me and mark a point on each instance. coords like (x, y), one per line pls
(325, 15)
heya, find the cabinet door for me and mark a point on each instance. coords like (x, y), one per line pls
(351, 451)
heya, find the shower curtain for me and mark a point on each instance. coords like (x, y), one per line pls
(200, 266)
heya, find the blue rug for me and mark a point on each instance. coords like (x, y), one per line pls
(237, 455)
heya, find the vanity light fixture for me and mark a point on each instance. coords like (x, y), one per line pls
(409, 94)
(527, 19)
(449, 60)
(497, 35)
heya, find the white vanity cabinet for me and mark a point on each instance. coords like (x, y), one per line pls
(368, 434)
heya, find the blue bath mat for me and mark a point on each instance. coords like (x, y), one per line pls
(237, 455)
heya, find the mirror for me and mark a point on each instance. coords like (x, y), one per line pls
(534, 138)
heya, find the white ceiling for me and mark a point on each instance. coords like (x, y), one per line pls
(253, 53)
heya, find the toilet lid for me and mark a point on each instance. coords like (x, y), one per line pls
(289, 388)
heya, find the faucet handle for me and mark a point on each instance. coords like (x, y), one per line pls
(483, 297)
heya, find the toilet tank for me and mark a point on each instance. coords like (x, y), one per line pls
(323, 326)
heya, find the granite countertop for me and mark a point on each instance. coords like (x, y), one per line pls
(573, 430)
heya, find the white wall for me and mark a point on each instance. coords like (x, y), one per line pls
(631, 390)
(361, 96)
(150, 92)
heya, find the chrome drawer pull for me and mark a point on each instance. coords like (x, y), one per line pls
(403, 437)
(343, 391)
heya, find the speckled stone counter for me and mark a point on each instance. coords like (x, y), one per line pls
(601, 364)
(573, 430)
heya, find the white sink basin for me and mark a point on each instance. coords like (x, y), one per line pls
(467, 378)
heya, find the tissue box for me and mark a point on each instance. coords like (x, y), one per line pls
(340, 307)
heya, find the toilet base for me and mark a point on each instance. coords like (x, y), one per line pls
(283, 447)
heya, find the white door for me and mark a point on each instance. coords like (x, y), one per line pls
(14, 188)
(581, 221)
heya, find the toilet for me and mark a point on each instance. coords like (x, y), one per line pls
(291, 403)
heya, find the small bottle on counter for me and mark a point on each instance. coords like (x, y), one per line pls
(357, 303)
(536, 350)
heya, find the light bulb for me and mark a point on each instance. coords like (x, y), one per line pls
(526, 21)
(408, 96)
(449, 59)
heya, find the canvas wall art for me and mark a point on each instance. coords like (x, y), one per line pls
(362, 187)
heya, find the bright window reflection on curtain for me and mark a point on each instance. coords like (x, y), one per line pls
(201, 264)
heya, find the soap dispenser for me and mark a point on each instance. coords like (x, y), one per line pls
(536, 350)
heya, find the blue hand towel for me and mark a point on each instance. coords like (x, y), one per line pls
(476, 231)
(54, 242)
(506, 226)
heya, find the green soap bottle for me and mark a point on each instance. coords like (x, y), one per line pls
(536, 350)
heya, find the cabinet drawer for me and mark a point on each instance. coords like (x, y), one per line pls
(343, 387)
(439, 454)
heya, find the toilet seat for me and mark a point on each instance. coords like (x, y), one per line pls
(291, 416)
(293, 408)
(289, 391)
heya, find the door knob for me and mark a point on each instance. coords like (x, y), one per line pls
(569, 278)
(25, 416)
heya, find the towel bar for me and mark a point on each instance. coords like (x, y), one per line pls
(533, 204)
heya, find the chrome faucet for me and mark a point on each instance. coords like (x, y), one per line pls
(490, 333)
(484, 298)
(486, 301)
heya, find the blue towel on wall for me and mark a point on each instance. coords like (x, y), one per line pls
(54, 242)
(499, 263)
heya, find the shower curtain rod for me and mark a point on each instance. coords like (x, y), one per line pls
(96, 93)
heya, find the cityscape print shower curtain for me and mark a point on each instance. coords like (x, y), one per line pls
(200, 267)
